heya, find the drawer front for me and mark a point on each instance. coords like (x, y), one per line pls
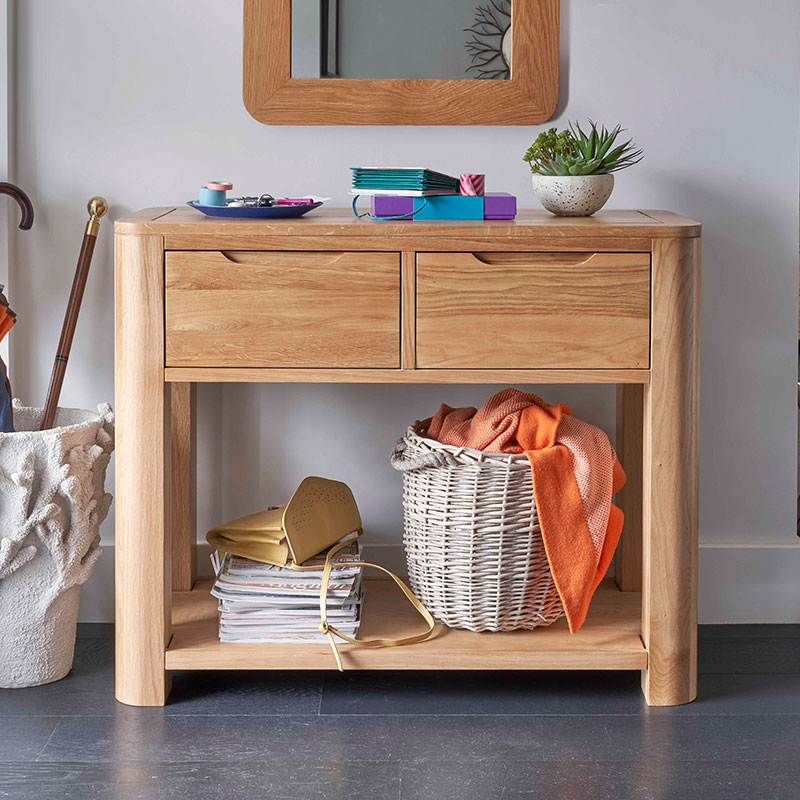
(533, 310)
(282, 309)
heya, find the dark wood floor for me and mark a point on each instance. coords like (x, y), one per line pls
(542, 736)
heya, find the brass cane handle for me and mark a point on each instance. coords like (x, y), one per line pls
(97, 207)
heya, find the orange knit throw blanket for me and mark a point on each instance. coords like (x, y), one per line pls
(575, 472)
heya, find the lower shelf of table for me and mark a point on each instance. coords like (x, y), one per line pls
(610, 639)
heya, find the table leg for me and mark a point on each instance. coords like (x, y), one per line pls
(183, 479)
(670, 497)
(628, 558)
(143, 597)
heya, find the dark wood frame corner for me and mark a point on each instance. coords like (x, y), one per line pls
(273, 97)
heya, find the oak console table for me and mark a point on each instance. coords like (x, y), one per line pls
(331, 299)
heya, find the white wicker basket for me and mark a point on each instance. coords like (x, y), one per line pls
(473, 544)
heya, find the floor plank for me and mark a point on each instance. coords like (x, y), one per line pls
(578, 693)
(24, 738)
(589, 780)
(774, 655)
(317, 741)
(206, 780)
(89, 690)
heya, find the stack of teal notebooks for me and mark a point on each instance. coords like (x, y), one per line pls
(405, 181)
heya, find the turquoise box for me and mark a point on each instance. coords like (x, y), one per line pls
(448, 206)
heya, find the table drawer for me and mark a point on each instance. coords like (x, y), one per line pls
(533, 310)
(282, 309)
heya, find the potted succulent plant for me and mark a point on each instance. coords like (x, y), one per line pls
(573, 169)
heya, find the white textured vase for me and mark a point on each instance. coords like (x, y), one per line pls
(573, 195)
(52, 502)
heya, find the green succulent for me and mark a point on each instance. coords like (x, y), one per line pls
(577, 152)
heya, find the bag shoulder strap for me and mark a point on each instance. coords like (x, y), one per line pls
(330, 631)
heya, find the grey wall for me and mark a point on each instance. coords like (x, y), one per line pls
(110, 99)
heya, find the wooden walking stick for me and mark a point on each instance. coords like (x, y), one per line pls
(97, 207)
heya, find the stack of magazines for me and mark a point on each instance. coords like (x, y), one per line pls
(265, 603)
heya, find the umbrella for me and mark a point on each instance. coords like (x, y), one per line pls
(7, 316)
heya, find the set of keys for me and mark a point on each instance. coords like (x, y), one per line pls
(265, 200)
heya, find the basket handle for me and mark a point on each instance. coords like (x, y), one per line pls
(433, 458)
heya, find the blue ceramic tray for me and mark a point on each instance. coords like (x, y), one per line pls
(258, 212)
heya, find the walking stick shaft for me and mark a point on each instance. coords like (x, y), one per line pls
(97, 207)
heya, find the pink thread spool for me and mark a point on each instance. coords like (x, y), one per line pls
(473, 185)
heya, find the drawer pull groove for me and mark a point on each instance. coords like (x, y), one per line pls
(265, 256)
(534, 259)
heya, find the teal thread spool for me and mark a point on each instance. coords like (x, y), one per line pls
(215, 193)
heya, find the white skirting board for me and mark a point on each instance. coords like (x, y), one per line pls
(738, 584)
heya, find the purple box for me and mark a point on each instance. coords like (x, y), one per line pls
(387, 206)
(497, 205)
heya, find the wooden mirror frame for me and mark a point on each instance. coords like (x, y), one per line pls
(273, 97)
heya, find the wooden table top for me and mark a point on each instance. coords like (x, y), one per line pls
(340, 221)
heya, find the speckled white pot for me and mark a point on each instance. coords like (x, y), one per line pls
(573, 195)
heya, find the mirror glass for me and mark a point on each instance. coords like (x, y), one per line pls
(444, 39)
